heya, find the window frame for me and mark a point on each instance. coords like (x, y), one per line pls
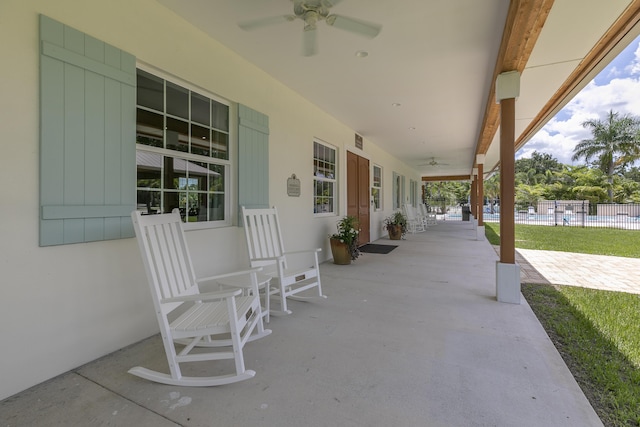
(333, 181)
(228, 164)
(377, 187)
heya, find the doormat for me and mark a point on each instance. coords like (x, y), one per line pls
(372, 248)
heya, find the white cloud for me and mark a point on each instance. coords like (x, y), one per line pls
(634, 67)
(560, 135)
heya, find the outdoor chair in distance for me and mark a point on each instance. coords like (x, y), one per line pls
(266, 249)
(414, 224)
(216, 324)
(429, 217)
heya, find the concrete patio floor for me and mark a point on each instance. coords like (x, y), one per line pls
(412, 338)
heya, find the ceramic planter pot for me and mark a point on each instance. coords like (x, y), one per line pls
(340, 251)
(395, 232)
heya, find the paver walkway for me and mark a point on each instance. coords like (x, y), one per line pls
(589, 271)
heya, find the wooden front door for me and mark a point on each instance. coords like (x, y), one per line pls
(358, 193)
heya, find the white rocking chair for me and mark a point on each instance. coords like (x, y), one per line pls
(414, 224)
(429, 218)
(202, 317)
(264, 243)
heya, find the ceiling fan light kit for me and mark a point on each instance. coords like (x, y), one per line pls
(311, 12)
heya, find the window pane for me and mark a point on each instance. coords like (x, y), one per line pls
(216, 178)
(170, 201)
(149, 169)
(148, 201)
(149, 128)
(150, 92)
(195, 207)
(198, 174)
(200, 140)
(175, 173)
(200, 109)
(177, 101)
(177, 135)
(216, 207)
(377, 176)
(375, 194)
(220, 114)
(220, 145)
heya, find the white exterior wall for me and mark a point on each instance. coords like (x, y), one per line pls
(63, 306)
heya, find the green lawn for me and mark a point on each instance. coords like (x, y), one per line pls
(598, 241)
(598, 335)
(597, 332)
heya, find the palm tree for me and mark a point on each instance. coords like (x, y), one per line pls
(615, 143)
(492, 189)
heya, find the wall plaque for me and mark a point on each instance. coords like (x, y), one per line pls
(358, 141)
(293, 186)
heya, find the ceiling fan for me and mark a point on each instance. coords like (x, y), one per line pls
(311, 12)
(434, 163)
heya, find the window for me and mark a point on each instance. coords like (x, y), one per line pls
(376, 189)
(398, 191)
(324, 178)
(182, 154)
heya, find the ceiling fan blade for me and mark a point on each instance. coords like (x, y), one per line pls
(330, 3)
(357, 26)
(254, 24)
(309, 41)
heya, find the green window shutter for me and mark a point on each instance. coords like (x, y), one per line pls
(403, 199)
(253, 159)
(87, 137)
(395, 188)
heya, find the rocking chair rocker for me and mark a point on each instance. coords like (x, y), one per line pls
(204, 316)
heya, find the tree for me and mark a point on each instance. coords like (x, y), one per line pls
(492, 189)
(615, 144)
(528, 195)
(539, 163)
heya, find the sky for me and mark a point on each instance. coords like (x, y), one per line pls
(616, 88)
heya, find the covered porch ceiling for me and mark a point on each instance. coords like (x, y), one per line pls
(425, 90)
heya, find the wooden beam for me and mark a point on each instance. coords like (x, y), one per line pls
(446, 178)
(524, 23)
(507, 182)
(480, 198)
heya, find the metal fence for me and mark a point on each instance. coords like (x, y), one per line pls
(566, 213)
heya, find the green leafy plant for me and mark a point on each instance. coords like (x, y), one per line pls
(396, 220)
(348, 231)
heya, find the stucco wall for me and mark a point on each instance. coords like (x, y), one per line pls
(63, 306)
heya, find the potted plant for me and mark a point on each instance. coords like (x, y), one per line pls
(396, 225)
(344, 243)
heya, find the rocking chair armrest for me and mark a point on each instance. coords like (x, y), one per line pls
(206, 296)
(302, 251)
(273, 258)
(235, 273)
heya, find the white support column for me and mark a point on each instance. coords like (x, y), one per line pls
(507, 271)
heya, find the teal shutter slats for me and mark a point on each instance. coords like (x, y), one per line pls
(253, 159)
(395, 189)
(87, 140)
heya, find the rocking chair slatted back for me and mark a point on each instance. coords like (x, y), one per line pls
(264, 239)
(169, 260)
